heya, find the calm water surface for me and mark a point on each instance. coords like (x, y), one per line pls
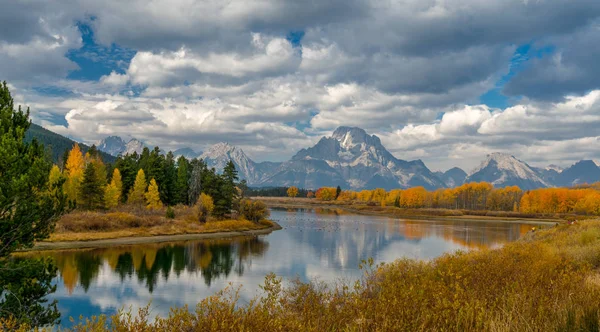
(314, 244)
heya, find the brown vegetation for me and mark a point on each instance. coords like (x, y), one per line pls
(127, 220)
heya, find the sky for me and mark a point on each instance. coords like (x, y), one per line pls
(445, 81)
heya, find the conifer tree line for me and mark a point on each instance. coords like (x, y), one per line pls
(151, 178)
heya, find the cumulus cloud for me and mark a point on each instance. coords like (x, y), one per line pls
(542, 133)
(407, 70)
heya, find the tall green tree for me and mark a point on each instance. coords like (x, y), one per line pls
(182, 182)
(91, 190)
(128, 166)
(168, 186)
(29, 207)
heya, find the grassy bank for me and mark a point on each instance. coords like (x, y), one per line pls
(128, 221)
(548, 281)
(395, 212)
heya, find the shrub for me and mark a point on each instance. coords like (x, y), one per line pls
(253, 210)
(204, 207)
(170, 213)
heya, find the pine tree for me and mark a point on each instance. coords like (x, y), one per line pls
(91, 192)
(338, 191)
(182, 182)
(169, 185)
(228, 189)
(136, 194)
(128, 166)
(152, 196)
(74, 171)
(30, 205)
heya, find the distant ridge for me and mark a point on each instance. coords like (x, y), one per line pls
(58, 144)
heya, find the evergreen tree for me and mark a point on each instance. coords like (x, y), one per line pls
(338, 191)
(243, 186)
(152, 196)
(136, 194)
(91, 192)
(169, 185)
(128, 166)
(182, 181)
(29, 206)
(229, 192)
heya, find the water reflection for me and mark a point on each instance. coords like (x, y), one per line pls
(149, 262)
(323, 244)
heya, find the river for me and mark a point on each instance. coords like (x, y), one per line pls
(314, 244)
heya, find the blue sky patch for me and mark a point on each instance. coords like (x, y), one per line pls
(494, 97)
(97, 60)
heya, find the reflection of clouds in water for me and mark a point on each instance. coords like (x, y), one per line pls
(313, 246)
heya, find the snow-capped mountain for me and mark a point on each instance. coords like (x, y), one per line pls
(453, 177)
(584, 171)
(352, 159)
(187, 153)
(112, 145)
(219, 154)
(502, 170)
(555, 168)
(133, 146)
(115, 145)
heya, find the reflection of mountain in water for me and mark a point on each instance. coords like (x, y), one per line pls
(149, 263)
(342, 239)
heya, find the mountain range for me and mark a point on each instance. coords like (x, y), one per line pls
(353, 159)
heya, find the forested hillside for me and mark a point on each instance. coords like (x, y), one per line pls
(58, 144)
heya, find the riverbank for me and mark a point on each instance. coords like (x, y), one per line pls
(401, 213)
(60, 245)
(129, 225)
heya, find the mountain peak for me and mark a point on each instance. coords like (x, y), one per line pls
(555, 168)
(219, 149)
(503, 169)
(352, 136)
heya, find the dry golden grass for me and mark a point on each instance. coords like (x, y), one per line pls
(128, 221)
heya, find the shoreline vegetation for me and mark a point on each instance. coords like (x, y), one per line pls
(130, 224)
(547, 281)
(406, 213)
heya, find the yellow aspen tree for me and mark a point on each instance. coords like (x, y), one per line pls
(153, 197)
(53, 180)
(204, 207)
(117, 180)
(111, 196)
(292, 191)
(74, 171)
(136, 194)
(112, 192)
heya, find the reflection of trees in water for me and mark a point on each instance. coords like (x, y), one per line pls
(213, 259)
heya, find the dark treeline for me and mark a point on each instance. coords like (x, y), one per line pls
(181, 181)
(273, 192)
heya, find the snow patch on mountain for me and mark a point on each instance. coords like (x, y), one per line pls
(502, 169)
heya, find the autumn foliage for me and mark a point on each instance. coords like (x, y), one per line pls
(479, 196)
